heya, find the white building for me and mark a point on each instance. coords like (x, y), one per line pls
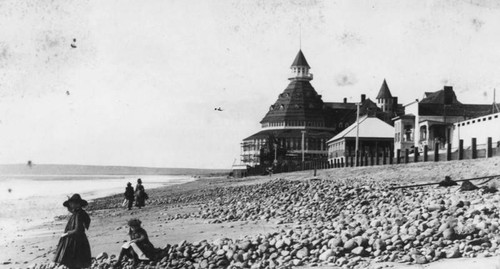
(480, 128)
(375, 136)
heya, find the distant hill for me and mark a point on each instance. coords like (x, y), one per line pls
(70, 169)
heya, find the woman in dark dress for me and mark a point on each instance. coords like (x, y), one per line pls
(129, 195)
(140, 194)
(73, 249)
(139, 247)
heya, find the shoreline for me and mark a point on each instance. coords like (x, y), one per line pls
(187, 214)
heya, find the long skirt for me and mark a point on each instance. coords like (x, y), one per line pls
(74, 251)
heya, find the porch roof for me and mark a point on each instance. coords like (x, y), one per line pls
(434, 122)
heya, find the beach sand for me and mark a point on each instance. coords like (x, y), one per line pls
(170, 223)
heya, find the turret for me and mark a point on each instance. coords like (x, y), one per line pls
(384, 98)
(300, 68)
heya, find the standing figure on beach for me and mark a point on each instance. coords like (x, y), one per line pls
(129, 195)
(139, 248)
(73, 249)
(140, 194)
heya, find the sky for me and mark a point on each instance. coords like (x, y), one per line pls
(140, 86)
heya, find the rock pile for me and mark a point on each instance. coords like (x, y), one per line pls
(346, 224)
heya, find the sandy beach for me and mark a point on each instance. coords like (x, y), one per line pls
(190, 213)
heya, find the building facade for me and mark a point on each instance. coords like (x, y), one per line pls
(298, 124)
(295, 128)
(432, 120)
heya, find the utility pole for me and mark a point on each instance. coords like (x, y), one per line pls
(357, 135)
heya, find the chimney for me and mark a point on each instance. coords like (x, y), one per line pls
(448, 95)
(345, 100)
(363, 98)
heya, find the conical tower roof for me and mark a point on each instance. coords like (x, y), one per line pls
(300, 60)
(384, 92)
(298, 102)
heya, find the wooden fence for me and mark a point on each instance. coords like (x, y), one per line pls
(386, 158)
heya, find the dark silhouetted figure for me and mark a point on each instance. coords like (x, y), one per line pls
(140, 194)
(73, 249)
(129, 195)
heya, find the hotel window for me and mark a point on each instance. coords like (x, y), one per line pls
(408, 133)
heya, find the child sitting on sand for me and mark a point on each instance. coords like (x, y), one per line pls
(139, 247)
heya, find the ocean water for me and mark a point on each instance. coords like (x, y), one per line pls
(31, 200)
(88, 186)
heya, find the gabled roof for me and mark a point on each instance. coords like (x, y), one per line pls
(340, 105)
(465, 110)
(384, 92)
(300, 60)
(369, 127)
(438, 97)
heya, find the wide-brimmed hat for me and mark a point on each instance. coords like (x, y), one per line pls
(76, 198)
(129, 184)
(134, 223)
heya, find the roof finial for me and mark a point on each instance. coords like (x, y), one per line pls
(300, 36)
